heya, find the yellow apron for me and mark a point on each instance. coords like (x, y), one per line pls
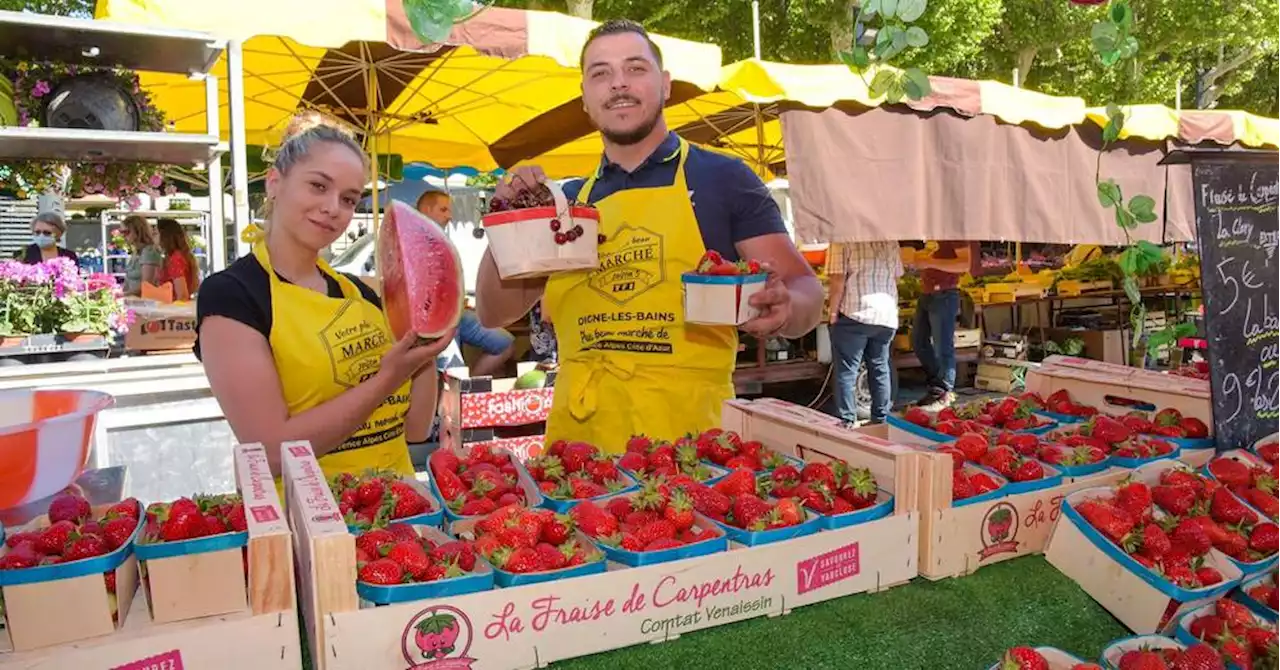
(628, 362)
(324, 346)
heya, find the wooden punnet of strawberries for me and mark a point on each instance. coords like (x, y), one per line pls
(657, 517)
(646, 457)
(1255, 483)
(477, 483)
(829, 489)
(373, 499)
(1112, 436)
(74, 533)
(729, 450)
(1167, 422)
(399, 554)
(1238, 637)
(1197, 514)
(1009, 454)
(576, 471)
(193, 518)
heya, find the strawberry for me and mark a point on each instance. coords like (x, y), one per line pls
(1235, 615)
(663, 543)
(960, 486)
(86, 546)
(458, 552)
(1224, 507)
(789, 513)
(550, 557)
(369, 493)
(1235, 651)
(558, 530)
(1154, 542)
(411, 558)
(1194, 428)
(382, 572)
(738, 482)
(119, 531)
(125, 508)
(20, 537)
(747, 509)
(982, 483)
(1260, 639)
(1209, 627)
(593, 520)
(55, 538)
(633, 461)
(408, 501)
(1230, 472)
(371, 542)
(449, 484)
(815, 496)
(1175, 500)
(69, 507)
(1191, 537)
(1267, 503)
(1107, 429)
(182, 521)
(1264, 538)
(477, 507)
(1134, 497)
(585, 488)
(679, 511)
(1112, 521)
(1024, 658)
(973, 445)
(1028, 470)
(1167, 417)
(1199, 657)
(957, 456)
(918, 417)
(818, 472)
(1208, 575)
(1142, 659)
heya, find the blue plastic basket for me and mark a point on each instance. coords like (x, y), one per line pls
(200, 545)
(1000, 492)
(711, 545)
(564, 506)
(434, 515)
(89, 566)
(479, 579)
(506, 579)
(1062, 419)
(1183, 630)
(811, 525)
(1257, 607)
(1057, 658)
(1217, 559)
(1110, 658)
(533, 496)
(881, 509)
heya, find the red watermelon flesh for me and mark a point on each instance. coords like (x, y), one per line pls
(422, 284)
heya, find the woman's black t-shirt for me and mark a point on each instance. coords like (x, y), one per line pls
(242, 292)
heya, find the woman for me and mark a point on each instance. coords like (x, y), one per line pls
(47, 230)
(146, 258)
(180, 267)
(296, 351)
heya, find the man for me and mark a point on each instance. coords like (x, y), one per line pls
(863, 305)
(495, 344)
(933, 332)
(628, 361)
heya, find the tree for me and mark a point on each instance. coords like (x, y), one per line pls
(80, 8)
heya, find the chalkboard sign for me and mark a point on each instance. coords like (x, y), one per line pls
(1236, 195)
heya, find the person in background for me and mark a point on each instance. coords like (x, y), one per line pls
(145, 257)
(496, 344)
(296, 351)
(47, 230)
(180, 267)
(933, 332)
(863, 304)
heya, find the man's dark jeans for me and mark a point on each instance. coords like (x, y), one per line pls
(933, 335)
(852, 342)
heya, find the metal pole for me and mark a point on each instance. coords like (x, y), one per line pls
(216, 232)
(755, 26)
(239, 163)
(1177, 96)
(1017, 78)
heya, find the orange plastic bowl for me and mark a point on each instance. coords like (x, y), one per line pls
(815, 255)
(44, 441)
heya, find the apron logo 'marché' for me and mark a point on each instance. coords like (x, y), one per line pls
(630, 264)
(355, 347)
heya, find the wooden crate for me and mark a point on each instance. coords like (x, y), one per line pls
(471, 408)
(954, 541)
(263, 638)
(1006, 292)
(531, 626)
(1069, 288)
(1103, 384)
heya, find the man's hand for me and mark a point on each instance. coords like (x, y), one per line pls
(834, 316)
(774, 303)
(519, 179)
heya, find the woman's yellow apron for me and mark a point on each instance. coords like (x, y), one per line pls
(628, 362)
(325, 346)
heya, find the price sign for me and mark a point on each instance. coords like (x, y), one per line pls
(1236, 196)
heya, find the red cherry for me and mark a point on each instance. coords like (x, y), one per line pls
(600, 238)
(572, 234)
(578, 229)
(555, 224)
(561, 238)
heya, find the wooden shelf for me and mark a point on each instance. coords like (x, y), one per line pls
(77, 144)
(106, 43)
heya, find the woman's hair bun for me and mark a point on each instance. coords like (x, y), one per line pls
(311, 118)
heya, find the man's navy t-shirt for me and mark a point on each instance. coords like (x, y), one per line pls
(729, 200)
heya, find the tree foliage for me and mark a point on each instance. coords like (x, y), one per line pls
(81, 8)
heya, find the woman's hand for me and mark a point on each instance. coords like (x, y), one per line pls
(404, 360)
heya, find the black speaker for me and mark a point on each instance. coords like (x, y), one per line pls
(92, 102)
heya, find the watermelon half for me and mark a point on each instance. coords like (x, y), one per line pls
(422, 284)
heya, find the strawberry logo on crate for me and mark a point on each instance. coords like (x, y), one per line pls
(438, 638)
(999, 531)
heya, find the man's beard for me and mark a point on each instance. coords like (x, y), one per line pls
(636, 135)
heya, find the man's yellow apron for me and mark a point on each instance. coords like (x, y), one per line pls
(325, 346)
(628, 362)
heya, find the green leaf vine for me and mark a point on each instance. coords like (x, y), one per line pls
(1113, 40)
(895, 34)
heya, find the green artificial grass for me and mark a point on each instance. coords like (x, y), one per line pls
(960, 624)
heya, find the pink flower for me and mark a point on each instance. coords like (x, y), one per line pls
(155, 181)
(40, 89)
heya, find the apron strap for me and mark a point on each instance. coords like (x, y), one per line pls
(583, 390)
